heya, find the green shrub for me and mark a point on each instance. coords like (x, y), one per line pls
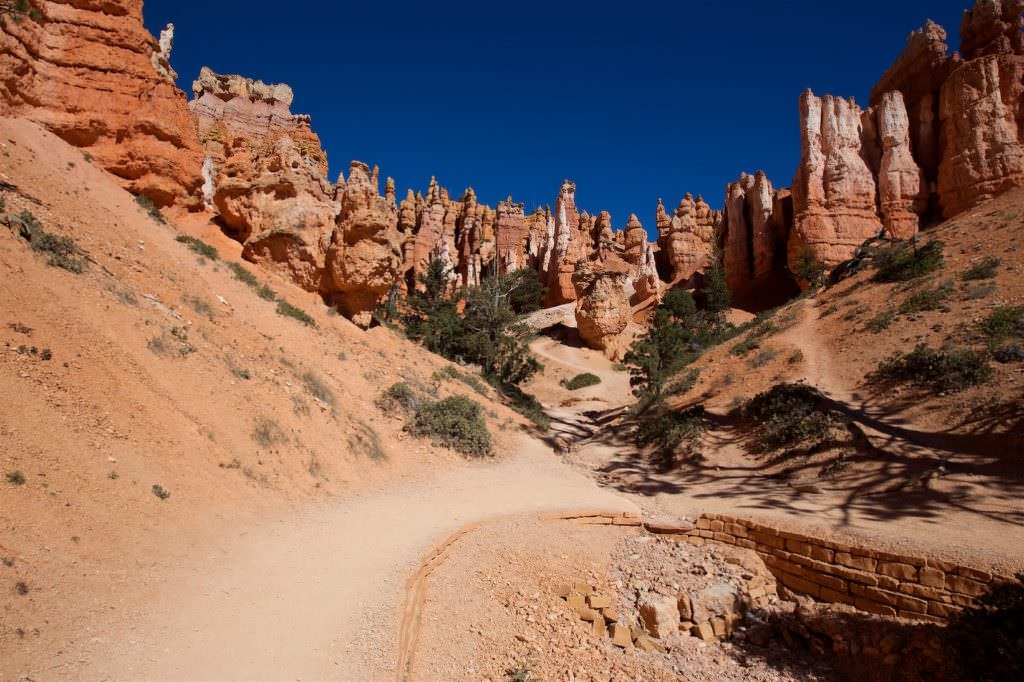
(745, 347)
(926, 299)
(906, 262)
(455, 422)
(288, 310)
(582, 381)
(942, 370)
(788, 415)
(63, 252)
(766, 356)
(365, 439)
(809, 268)
(525, 404)
(243, 275)
(673, 434)
(986, 269)
(400, 394)
(880, 322)
(150, 208)
(15, 478)
(1011, 352)
(1004, 322)
(317, 388)
(266, 293)
(797, 357)
(976, 292)
(200, 247)
(160, 491)
(450, 372)
(200, 306)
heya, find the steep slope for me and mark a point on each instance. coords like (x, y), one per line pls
(156, 371)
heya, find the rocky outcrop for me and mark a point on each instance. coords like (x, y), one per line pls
(755, 233)
(603, 312)
(366, 253)
(92, 74)
(267, 175)
(685, 240)
(566, 245)
(834, 191)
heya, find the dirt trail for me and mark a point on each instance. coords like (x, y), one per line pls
(319, 595)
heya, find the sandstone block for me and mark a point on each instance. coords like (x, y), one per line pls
(598, 602)
(861, 563)
(971, 588)
(705, 632)
(932, 577)
(659, 614)
(898, 570)
(622, 636)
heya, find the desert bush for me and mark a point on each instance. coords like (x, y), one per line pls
(673, 434)
(286, 309)
(945, 370)
(450, 372)
(200, 247)
(582, 381)
(880, 322)
(400, 395)
(21, 588)
(906, 262)
(764, 357)
(525, 404)
(455, 422)
(160, 491)
(788, 415)
(317, 388)
(797, 357)
(171, 343)
(150, 208)
(1004, 322)
(63, 252)
(200, 306)
(266, 293)
(267, 433)
(809, 268)
(986, 269)
(926, 299)
(976, 292)
(15, 478)
(243, 275)
(1011, 352)
(364, 439)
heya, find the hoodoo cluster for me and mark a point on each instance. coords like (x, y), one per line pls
(942, 133)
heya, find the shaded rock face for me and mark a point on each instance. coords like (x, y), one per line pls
(901, 182)
(603, 312)
(754, 231)
(92, 74)
(267, 174)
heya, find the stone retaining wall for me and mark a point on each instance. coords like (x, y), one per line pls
(870, 580)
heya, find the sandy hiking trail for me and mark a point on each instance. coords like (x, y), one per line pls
(319, 595)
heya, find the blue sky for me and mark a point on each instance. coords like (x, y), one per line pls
(634, 101)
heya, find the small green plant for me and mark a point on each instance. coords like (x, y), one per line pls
(809, 268)
(63, 252)
(15, 478)
(986, 269)
(525, 404)
(743, 348)
(926, 299)
(243, 275)
(200, 306)
(880, 322)
(239, 372)
(160, 491)
(400, 394)
(113, 476)
(317, 388)
(266, 293)
(521, 672)
(1004, 322)
(906, 262)
(582, 381)
(765, 357)
(365, 439)
(976, 292)
(797, 357)
(455, 422)
(150, 208)
(173, 343)
(450, 372)
(200, 247)
(946, 370)
(21, 588)
(789, 415)
(288, 310)
(268, 433)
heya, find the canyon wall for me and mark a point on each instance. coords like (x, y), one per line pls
(92, 74)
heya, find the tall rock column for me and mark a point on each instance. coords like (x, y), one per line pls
(835, 196)
(901, 182)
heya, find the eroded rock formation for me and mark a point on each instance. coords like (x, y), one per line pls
(686, 238)
(603, 312)
(267, 174)
(93, 75)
